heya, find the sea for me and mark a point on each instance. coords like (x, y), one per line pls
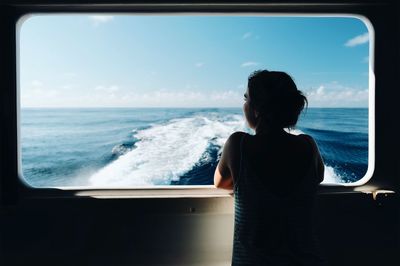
(136, 147)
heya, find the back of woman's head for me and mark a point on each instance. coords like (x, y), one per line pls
(275, 97)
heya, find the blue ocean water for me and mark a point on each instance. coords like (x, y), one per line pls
(120, 147)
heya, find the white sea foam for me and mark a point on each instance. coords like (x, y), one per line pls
(294, 131)
(330, 176)
(166, 151)
(120, 149)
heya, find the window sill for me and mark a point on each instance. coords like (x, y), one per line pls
(178, 192)
(129, 193)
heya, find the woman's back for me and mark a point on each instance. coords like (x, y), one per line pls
(281, 157)
(274, 176)
(274, 195)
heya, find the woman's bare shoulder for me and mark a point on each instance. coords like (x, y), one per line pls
(308, 139)
(234, 140)
(237, 136)
(231, 151)
(310, 143)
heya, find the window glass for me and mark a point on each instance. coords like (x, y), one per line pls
(149, 100)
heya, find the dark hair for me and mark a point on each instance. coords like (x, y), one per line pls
(274, 95)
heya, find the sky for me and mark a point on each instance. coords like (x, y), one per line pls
(187, 61)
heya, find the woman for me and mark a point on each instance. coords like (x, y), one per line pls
(274, 176)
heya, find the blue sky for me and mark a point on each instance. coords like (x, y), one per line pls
(187, 61)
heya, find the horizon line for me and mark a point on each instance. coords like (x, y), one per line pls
(175, 107)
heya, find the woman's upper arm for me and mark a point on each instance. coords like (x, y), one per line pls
(319, 161)
(223, 177)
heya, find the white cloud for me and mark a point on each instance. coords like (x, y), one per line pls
(358, 40)
(230, 97)
(365, 59)
(44, 93)
(250, 63)
(158, 98)
(171, 98)
(35, 94)
(336, 95)
(199, 64)
(246, 35)
(100, 19)
(112, 97)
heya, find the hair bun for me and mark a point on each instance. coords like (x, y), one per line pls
(276, 97)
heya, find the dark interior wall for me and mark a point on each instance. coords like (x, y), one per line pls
(354, 228)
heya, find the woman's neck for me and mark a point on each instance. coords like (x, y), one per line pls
(268, 130)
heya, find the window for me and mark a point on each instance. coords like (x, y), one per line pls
(149, 100)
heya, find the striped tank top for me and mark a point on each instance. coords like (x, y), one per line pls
(272, 229)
